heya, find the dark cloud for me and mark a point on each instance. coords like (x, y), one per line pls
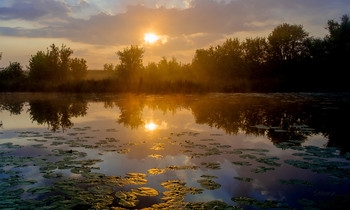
(34, 9)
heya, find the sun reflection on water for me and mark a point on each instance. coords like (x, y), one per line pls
(151, 126)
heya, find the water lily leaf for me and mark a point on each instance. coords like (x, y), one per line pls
(52, 175)
(268, 161)
(102, 190)
(158, 146)
(93, 175)
(261, 169)
(209, 176)
(156, 171)
(135, 178)
(247, 156)
(123, 151)
(145, 191)
(80, 170)
(244, 179)
(127, 199)
(28, 182)
(40, 190)
(209, 184)
(155, 156)
(267, 204)
(241, 163)
(10, 145)
(210, 165)
(182, 167)
(216, 204)
(296, 181)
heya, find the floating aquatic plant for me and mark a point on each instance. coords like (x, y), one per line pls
(145, 191)
(241, 163)
(296, 181)
(209, 184)
(262, 169)
(182, 167)
(243, 179)
(210, 165)
(156, 171)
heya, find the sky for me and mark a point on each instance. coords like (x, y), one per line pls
(96, 29)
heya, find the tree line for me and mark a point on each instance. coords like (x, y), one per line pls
(289, 59)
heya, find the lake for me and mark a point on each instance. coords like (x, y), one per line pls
(209, 151)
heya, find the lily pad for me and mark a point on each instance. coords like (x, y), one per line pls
(127, 199)
(268, 161)
(211, 165)
(102, 190)
(209, 184)
(155, 156)
(262, 169)
(40, 190)
(156, 171)
(247, 156)
(244, 179)
(209, 176)
(158, 146)
(182, 167)
(241, 163)
(296, 181)
(145, 191)
(267, 204)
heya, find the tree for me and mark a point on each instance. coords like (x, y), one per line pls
(108, 67)
(204, 64)
(229, 58)
(12, 77)
(13, 72)
(255, 51)
(55, 66)
(52, 66)
(78, 68)
(131, 63)
(286, 42)
(339, 37)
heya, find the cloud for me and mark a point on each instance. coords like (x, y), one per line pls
(34, 9)
(187, 24)
(204, 16)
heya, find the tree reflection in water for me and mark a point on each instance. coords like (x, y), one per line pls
(233, 113)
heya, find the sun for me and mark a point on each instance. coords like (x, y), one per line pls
(151, 38)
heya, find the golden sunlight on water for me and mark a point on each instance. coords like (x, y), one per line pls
(151, 126)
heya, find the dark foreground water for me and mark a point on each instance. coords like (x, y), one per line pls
(210, 151)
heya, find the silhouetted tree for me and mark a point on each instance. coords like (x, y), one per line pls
(204, 65)
(13, 72)
(339, 38)
(12, 77)
(78, 68)
(287, 42)
(52, 66)
(255, 52)
(108, 67)
(131, 63)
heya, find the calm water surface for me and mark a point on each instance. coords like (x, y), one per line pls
(211, 151)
